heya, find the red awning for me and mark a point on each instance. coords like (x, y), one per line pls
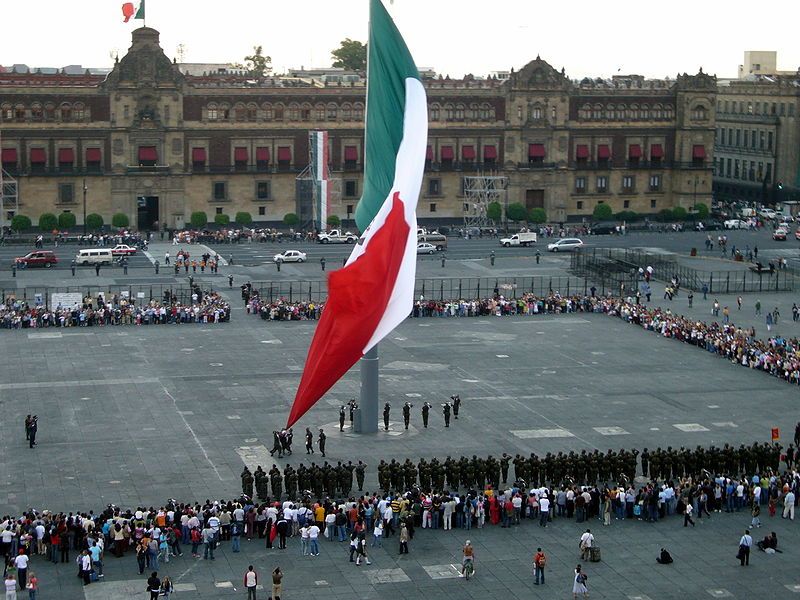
(284, 154)
(198, 155)
(656, 151)
(603, 152)
(148, 153)
(447, 153)
(536, 151)
(38, 156)
(9, 155)
(93, 155)
(634, 151)
(699, 151)
(581, 151)
(429, 153)
(351, 153)
(262, 154)
(66, 155)
(468, 152)
(489, 152)
(240, 154)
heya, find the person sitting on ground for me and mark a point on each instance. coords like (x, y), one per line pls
(769, 544)
(665, 557)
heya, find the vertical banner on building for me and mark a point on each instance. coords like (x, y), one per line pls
(318, 142)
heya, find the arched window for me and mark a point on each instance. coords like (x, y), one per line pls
(474, 112)
(634, 112)
(294, 112)
(485, 112)
(78, 112)
(358, 112)
(585, 111)
(212, 113)
(278, 112)
(319, 112)
(597, 111)
(435, 112)
(448, 112)
(6, 112)
(37, 113)
(19, 112)
(645, 112)
(658, 111)
(333, 111)
(65, 112)
(252, 112)
(267, 108)
(535, 112)
(459, 112)
(669, 112)
(50, 112)
(347, 111)
(611, 111)
(224, 111)
(699, 113)
(239, 112)
(305, 111)
(621, 112)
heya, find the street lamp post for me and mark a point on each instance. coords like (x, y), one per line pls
(84, 206)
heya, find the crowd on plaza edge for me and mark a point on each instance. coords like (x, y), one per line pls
(463, 493)
(205, 307)
(777, 355)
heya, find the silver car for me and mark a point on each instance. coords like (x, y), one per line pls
(565, 245)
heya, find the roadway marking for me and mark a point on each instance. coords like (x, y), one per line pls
(193, 434)
(443, 571)
(377, 576)
(719, 593)
(725, 424)
(611, 431)
(526, 434)
(690, 427)
(252, 456)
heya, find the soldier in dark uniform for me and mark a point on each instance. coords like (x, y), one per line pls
(645, 461)
(360, 469)
(426, 409)
(303, 481)
(319, 481)
(352, 406)
(396, 475)
(331, 479)
(504, 462)
(386, 408)
(247, 482)
(276, 445)
(290, 481)
(262, 489)
(341, 418)
(446, 413)
(275, 481)
(321, 442)
(349, 469)
(409, 474)
(456, 404)
(407, 413)
(309, 441)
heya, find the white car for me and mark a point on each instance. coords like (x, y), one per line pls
(123, 250)
(735, 224)
(290, 256)
(565, 245)
(426, 248)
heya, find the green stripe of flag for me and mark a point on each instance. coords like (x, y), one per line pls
(389, 63)
(140, 12)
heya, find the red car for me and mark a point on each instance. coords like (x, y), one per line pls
(123, 250)
(38, 258)
(779, 235)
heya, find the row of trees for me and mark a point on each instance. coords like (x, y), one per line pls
(66, 220)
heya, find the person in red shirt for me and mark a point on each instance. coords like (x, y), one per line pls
(539, 561)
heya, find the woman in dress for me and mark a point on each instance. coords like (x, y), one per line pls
(579, 584)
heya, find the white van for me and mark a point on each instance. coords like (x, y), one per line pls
(94, 256)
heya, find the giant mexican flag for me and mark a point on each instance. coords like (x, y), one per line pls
(374, 292)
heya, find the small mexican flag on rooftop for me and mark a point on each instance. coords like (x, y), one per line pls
(133, 10)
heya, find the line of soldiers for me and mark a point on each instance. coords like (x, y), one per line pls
(319, 480)
(584, 468)
(756, 458)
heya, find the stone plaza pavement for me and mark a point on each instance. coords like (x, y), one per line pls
(137, 415)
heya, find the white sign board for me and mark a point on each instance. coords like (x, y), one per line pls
(65, 300)
(140, 294)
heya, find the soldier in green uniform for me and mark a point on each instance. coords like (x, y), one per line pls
(290, 481)
(407, 413)
(275, 481)
(505, 460)
(262, 489)
(386, 409)
(360, 469)
(426, 409)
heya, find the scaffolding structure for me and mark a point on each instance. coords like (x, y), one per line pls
(9, 200)
(480, 191)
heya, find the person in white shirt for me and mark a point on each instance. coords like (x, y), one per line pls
(745, 543)
(377, 539)
(304, 540)
(788, 505)
(313, 539)
(330, 526)
(544, 510)
(251, 582)
(21, 563)
(587, 539)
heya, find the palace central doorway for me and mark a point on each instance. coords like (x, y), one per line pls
(147, 213)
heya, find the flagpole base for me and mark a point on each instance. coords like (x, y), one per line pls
(368, 400)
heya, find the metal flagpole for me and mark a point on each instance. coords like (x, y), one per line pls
(368, 399)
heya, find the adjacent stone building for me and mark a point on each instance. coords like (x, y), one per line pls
(157, 144)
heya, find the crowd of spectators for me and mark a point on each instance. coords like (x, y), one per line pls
(205, 307)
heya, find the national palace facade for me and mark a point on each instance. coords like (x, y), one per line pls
(157, 144)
